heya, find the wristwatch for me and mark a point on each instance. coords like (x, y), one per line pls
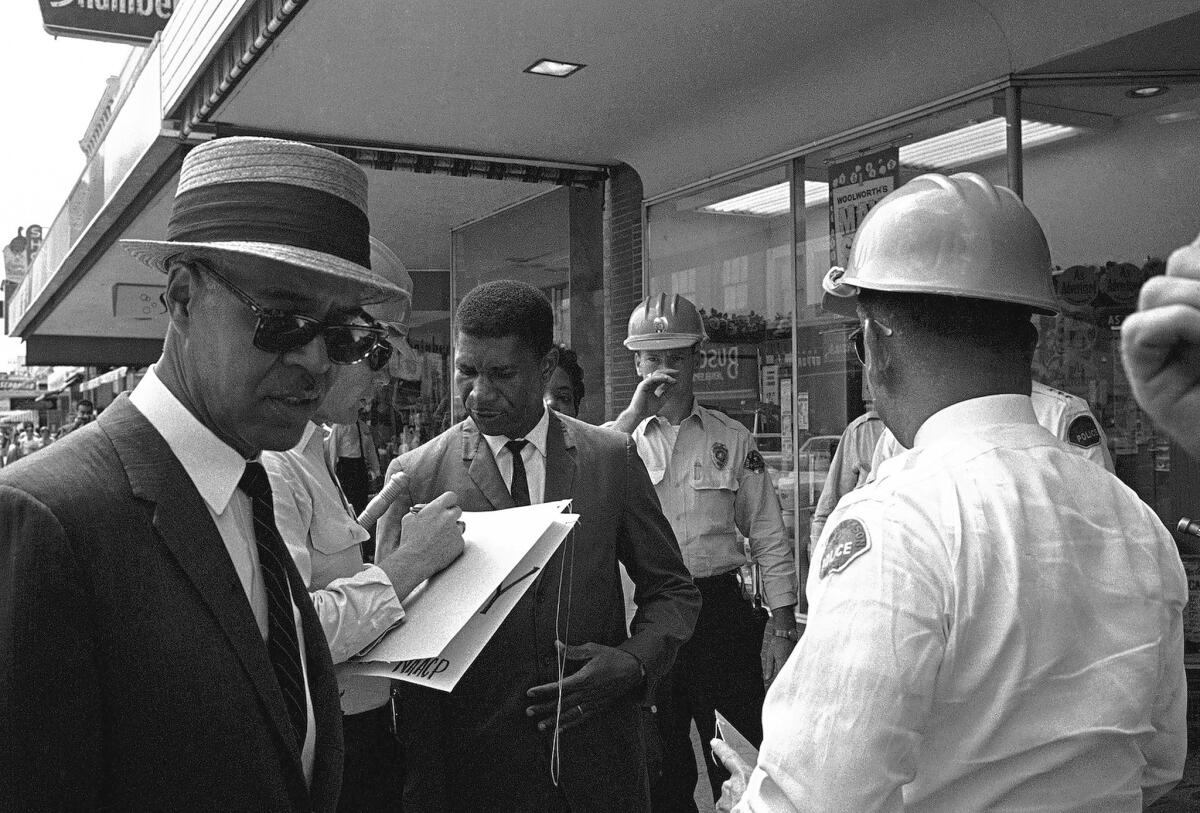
(792, 635)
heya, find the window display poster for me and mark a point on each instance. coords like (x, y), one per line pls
(785, 416)
(855, 186)
(802, 411)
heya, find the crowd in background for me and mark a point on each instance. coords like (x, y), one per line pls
(16, 443)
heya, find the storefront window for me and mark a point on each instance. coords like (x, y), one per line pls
(1110, 175)
(729, 249)
(1115, 200)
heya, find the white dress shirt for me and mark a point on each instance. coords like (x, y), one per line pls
(215, 469)
(355, 601)
(533, 456)
(995, 623)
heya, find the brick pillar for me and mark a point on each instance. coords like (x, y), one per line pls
(622, 282)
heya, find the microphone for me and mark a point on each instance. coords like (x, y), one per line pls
(379, 504)
(1188, 526)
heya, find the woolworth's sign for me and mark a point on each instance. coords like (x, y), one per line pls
(130, 21)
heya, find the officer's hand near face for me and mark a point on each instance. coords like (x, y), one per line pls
(648, 399)
(1160, 347)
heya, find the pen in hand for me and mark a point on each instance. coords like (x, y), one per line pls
(416, 509)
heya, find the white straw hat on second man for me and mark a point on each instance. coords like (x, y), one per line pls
(281, 201)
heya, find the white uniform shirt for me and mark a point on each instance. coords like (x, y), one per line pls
(1067, 417)
(355, 601)
(712, 484)
(215, 469)
(1004, 632)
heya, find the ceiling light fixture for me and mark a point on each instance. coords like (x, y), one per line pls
(770, 201)
(966, 146)
(977, 143)
(554, 67)
(1177, 116)
(1146, 91)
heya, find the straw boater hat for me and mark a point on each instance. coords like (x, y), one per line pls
(282, 201)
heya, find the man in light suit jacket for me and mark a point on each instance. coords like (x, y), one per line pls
(157, 649)
(489, 744)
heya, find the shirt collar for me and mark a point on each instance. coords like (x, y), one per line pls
(698, 412)
(213, 466)
(536, 436)
(965, 416)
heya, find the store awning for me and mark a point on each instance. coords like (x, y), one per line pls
(432, 97)
(679, 90)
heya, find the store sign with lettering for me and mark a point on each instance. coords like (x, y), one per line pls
(855, 186)
(131, 21)
(727, 372)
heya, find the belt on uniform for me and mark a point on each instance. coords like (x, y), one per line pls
(703, 582)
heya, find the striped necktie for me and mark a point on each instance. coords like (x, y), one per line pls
(283, 645)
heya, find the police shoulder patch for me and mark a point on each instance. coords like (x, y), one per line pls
(848, 541)
(1083, 432)
(755, 462)
(720, 454)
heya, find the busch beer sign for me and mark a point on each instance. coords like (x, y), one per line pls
(131, 21)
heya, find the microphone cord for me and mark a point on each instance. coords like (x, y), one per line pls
(561, 637)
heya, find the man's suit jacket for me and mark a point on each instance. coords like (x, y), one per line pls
(134, 675)
(475, 749)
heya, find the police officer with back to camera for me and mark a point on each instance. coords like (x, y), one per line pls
(995, 622)
(712, 483)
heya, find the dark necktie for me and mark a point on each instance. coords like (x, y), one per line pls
(283, 646)
(520, 483)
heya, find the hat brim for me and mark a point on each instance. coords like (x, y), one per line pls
(842, 305)
(375, 289)
(662, 341)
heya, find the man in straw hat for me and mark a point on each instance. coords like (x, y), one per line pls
(159, 647)
(995, 622)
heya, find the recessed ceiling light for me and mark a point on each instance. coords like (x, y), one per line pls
(1146, 91)
(1177, 116)
(552, 67)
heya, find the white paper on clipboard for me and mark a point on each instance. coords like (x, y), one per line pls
(734, 739)
(449, 621)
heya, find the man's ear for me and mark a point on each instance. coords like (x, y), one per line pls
(182, 283)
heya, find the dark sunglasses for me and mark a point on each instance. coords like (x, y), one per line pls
(381, 353)
(281, 331)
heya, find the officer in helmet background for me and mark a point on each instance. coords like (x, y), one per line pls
(1064, 415)
(994, 621)
(712, 483)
